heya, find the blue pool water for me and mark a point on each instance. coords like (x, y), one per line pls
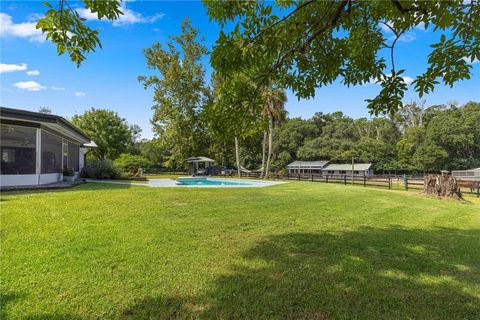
(215, 182)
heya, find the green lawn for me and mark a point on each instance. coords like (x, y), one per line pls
(295, 251)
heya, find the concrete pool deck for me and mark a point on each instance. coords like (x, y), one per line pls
(162, 183)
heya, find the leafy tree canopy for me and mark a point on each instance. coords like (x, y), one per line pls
(313, 43)
(108, 130)
(63, 26)
(45, 110)
(180, 93)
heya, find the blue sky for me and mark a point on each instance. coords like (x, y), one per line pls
(32, 74)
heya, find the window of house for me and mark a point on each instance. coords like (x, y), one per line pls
(18, 149)
(51, 153)
(73, 156)
(343, 172)
(356, 172)
(65, 155)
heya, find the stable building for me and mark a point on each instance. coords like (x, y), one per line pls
(359, 169)
(472, 174)
(306, 167)
(35, 148)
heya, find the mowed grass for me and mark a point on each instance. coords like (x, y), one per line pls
(295, 251)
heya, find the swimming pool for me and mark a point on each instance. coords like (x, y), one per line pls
(196, 182)
(217, 182)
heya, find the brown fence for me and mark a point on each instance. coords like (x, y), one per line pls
(466, 187)
(375, 181)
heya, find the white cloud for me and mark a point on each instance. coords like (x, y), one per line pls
(408, 80)
(33, 72)
(469, 60)
(4, 68)
(29, 86)
(385, 28)
(406, 37)
(80, 94)
(22, 30)
(421, 26)
(87, 14)
(129, 16)
(58, 88)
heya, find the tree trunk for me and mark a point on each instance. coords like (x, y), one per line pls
(270, 140)
(237, 157)
(264, 149)
(442, 186)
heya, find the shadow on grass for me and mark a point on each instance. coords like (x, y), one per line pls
(89, 186)
(371, 273)
(5, 299)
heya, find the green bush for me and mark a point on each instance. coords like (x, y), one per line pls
(100, 169)
(130, 164)
(68, 172)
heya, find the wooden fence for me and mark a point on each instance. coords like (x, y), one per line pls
(387, 182)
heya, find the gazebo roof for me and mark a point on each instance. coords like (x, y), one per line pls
(199, 159)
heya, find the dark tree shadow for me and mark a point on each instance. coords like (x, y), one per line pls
(6, 298)
(54, 317)
(89, 186)
(371, 273)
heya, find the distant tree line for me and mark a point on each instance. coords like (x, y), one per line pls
(414, 139)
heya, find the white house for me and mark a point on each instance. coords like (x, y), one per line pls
(359, 169)
(37, 147)
(306, 167)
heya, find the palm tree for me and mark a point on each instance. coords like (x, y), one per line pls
(237, 157)
(274, 110)
(264, 149)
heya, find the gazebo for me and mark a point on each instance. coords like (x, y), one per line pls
(200, 165)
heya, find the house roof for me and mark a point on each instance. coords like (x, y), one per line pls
(48, 120)
(199, 159)
(348, 167)
(307, 164)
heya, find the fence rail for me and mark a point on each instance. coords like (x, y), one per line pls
(466, 187)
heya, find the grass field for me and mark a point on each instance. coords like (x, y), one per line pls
(295, 251)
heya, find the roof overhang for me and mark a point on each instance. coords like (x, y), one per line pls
(50, 122)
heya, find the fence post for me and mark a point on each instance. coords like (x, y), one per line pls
(345, 179)
(312, 177)
(405, 179)
(326, 178)
(298, 176)
(389, 183)
(478, 189)
(364, 181)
